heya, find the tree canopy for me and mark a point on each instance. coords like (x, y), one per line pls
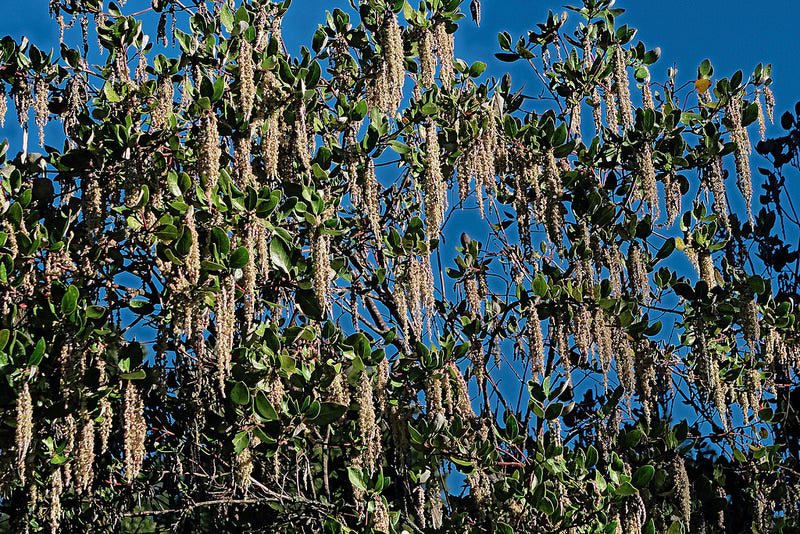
(374, 288)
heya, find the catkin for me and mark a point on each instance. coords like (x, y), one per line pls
(210, 152)
(3, 105)
(135, 431)
(24, 431)
(738, 134)
(41, 96)
(247, 88)
(427, 60)
(624, 104)
(435, 188)
(444, 49)
(225, 312)
(367, 424)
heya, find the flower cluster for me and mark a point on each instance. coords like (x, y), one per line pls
(247, 86)
(225, 312)
(738, 134)
(210, 152)
(427, 59)
(24, 431)
(435, 188)
(135, 431)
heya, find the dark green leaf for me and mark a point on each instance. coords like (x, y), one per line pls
(38, 354)
(69, 302)
(642, 476)
(239, 258)
(265, 408)
(240, 394)
(240, 441)
(279, 255)
(329, 413)
(625, 489)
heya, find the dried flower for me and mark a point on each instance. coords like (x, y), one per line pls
(192, 265)
(387, 92)
(165, 93)
(320, 257)
(270, 143)
(707, 270)
(647, 96)
(637, 271)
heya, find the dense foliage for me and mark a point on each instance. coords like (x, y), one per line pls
(235, 299)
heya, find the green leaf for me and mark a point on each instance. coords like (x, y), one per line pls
(625, 489)
(666, 249)
(279, 255)
(429, 109)
(95, 312)
(4, 335)
(139, 374)
(675, 528)
(357, 478)
(309, 303)
(265, 408)
(642, 476)
(109, 92)
(211, 266)
(15, 214)
(399, 147)
(504, 39)
(167, 232)
(240, 394)
(239, 258)
(141, 306)
(591, 456)
(329, 412)
(69, 302)
(38, 354)
(553, 410)
(705, 70)
(240, 441)
(507, 57)
(226, 17)
(477, 69)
